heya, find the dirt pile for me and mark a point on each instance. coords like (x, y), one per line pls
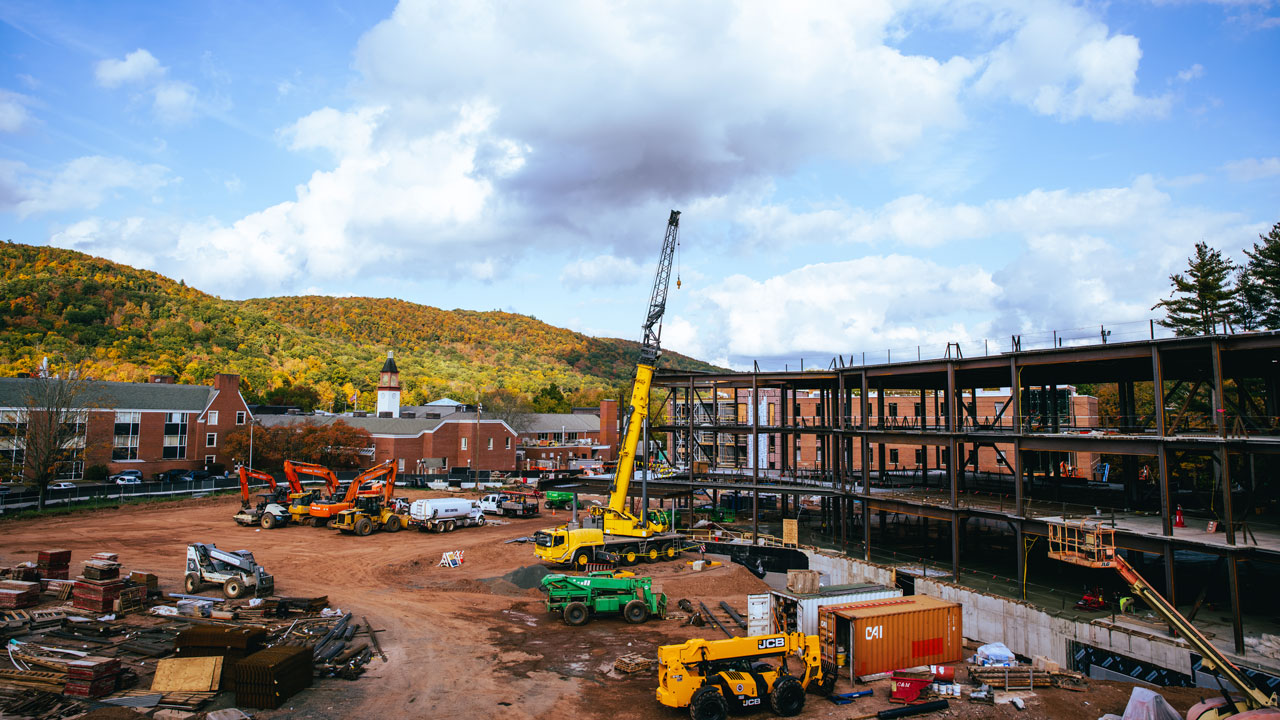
(529, 576)
(721, 581)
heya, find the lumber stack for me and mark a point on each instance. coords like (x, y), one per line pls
(54, 564)
(232, 644)
(92, 677)
(18, 594)
(266, 679)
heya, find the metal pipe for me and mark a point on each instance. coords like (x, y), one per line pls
(733, 614)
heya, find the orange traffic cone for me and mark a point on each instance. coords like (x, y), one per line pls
(1177, 518)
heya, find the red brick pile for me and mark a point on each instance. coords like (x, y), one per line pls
(92, 677)
(18, 594)
(54, 564)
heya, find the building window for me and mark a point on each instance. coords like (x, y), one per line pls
(213, 417)
(998, 408)
(919, 456)
(797, 410)
(401, 465)
(125, 444)
(13, 453)
(893, 409)
(209, 460)
(175, 436)
(508, 442)
(893, 456)
(464, 443)
(490, 444)
(919, 409)
(240, 417)
(211, 439)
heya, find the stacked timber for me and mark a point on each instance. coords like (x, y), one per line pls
(54, 564)
(18, 594)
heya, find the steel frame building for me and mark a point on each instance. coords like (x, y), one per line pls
(1236, 378)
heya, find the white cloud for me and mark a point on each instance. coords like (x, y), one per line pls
(1253, 169)
(13, 111)
(174, 102)
(1064, 63)
(600, 270)
(136, 67)
(1191, 73)
(82, 184)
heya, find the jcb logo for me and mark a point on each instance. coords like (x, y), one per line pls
(875, 632)
(771, 643)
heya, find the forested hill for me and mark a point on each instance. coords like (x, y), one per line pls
(132, 323)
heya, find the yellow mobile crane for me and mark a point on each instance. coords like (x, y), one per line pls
(611, 531)
(714, 677)
(1092, 545)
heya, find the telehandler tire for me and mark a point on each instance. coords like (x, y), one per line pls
(392, 524)
(364, 526)
(787, 698)
(576, 614)
(268, 521)
(233, 588)
(708, 704)
(191, 583)
(635, 612)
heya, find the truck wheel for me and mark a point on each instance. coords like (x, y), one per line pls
(630, 555)
(652, 554)
(635, 612)
(480, 521)
(268, 521)
(669, 551)
(191, 583)
(233, 588)
(581, 558)
(576, 614)
(708, 704)
(787, 698)
(392, 524)
(330, 523)
(364, 526)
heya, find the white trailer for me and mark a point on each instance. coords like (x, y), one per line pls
(798, 612)
(444, 514)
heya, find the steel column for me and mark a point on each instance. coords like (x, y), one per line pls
(1224, 457)
(1237, 621)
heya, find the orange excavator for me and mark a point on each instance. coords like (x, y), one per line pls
(324, 512)
(272, 510)
(300, 502)
(374, 512)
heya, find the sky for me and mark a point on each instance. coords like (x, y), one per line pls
(852, 176)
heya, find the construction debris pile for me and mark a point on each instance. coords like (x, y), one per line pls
(108, 638)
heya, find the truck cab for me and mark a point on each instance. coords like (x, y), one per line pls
(492, 504)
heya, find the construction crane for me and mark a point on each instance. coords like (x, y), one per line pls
(272, 510)
(715, 677)
(1091, 545)
(611, 531)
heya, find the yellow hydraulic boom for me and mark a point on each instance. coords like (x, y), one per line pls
(611, 529)
(1091, 545)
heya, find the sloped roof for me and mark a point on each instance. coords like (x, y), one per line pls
(107, 395)
(553, 422)
(389, 365)
(444, 401)
(405, 427)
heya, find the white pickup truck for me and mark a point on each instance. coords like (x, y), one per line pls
(510, 504)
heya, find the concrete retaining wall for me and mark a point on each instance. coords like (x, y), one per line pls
(1028, 630)
(840, 570)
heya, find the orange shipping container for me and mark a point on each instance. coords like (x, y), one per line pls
(896, 633)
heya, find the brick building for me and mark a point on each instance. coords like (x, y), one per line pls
(552, 441)
(151, 427)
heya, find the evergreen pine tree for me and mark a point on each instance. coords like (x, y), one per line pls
(1202, 297)
(1250, 302)
(1263, 270)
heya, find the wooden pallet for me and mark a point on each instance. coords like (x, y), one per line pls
(33, 679)
(178, 700)
(633, 663)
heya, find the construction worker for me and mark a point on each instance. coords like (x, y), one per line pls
(1126, 605)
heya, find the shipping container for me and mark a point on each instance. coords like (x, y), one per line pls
(884, 635)
(798, 612)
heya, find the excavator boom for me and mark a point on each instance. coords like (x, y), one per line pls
(292, 468)
(246, 473)
(386, 470)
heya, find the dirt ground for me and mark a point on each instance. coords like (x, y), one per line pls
(461, 642)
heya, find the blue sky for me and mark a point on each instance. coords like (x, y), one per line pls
(852, 176)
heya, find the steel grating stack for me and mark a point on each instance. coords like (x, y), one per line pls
(54, 564)
(266, 679)
(18, 594)
(232, 644)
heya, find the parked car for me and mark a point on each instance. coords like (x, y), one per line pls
(191, 475)
(170, 475)
(62, 485)
(125, 475)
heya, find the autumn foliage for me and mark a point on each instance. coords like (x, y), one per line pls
(335, 445)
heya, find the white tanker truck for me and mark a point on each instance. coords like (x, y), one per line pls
(444, 514)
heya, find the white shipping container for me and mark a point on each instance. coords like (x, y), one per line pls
(806, 605)
(758, 614)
